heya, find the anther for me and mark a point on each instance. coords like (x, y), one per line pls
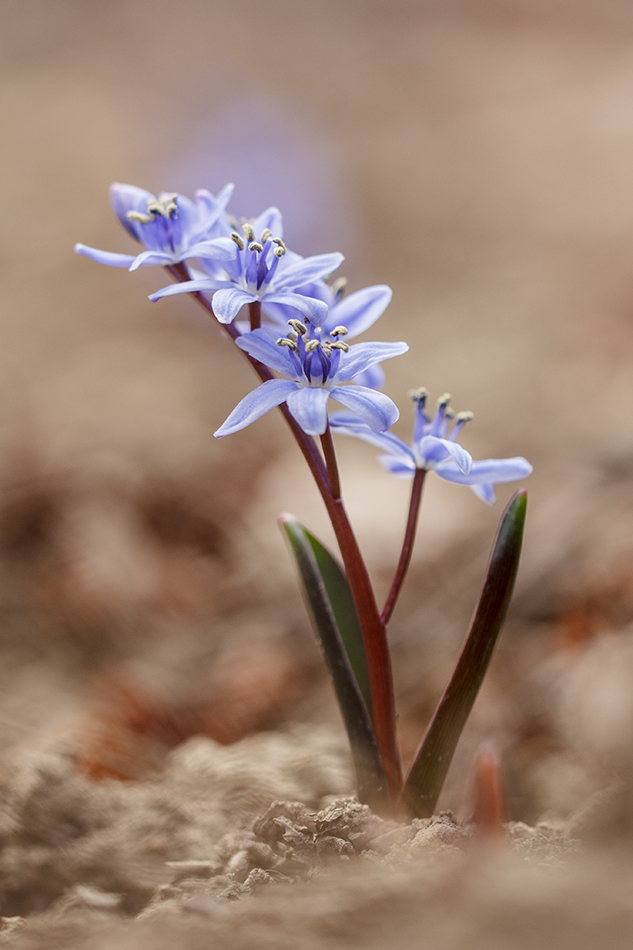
(311, 345)
(450, 414)
(280, 244)
(265, 235)
(466, 416)
(138, 216)
(280, 251)
(339, 331)
(339, 286)
(284, 341)
(255, 246)
(238, 240)
(298, 327)
(418, 395)
(444, 400)
(248, 231)
(339, 345)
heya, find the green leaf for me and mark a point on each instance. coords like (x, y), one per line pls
(370, 777)
(342, 604)
(434, 756)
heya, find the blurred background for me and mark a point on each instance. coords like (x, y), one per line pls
(476, 155)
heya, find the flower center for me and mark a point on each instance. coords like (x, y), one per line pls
(156, 208)
(317, 360)
(257, 260)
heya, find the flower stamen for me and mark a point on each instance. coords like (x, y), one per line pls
(419, 395)
(138, 216)
(284, 341)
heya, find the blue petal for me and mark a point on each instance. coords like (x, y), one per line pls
(204, 285)
(227, 303)
(374, 377)
(401, 468)
(360, 310)
(488, 471)
(186, 225)
(124, 198)
(212, 207)
(261, 345)
(308, 270)
(314, 310)
(152, 257)
(257, 403)
(363, 355)
(346, 423)
(376, 409)
(436, 451)
(220, 249)
(308, 404)
(485, 492)
(105, 257)
(270, 218)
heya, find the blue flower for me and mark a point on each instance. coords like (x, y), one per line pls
(315, 372)
(435, 449)
(262, 269)
(172, 227)
(357, 312)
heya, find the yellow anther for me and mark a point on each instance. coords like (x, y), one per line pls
(338, 285)
(138, 216)
(248, 231)
(311, 345)
(339, 345)
(280, 251)
(238, 240)
(339, 331)
(450, 414)
(280, 243)
(444, 400)
(284, 341)
(298, 327)
(418, 394)
(466, 416)
(265, 235)
(255, 246)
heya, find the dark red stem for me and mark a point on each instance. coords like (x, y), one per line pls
(407, 545)
(373, 629)
(255, 314)
(330, 460)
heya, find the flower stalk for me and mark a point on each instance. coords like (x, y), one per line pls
(407, 545)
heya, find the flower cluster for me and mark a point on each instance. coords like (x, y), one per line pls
(248, 263)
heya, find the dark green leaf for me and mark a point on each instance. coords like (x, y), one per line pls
(342, 604)
(369, 773)
(435, 753)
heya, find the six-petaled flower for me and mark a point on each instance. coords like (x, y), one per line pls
(262, 269)
(171, 226)
(316, 371)
(435, 448)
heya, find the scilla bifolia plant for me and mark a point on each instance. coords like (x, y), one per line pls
(294, 326)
